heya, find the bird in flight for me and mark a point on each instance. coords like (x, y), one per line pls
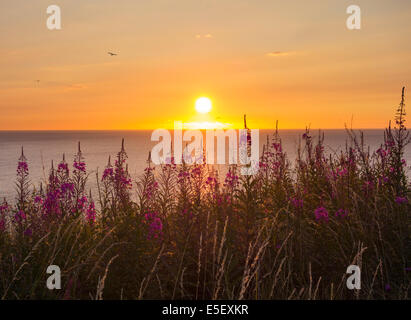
(112, 54)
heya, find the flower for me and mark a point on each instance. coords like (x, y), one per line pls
(382, 153)
(22, 168)
(108, 172)
(67, 188)
(63, 168)
(401, 200)
(91, 213)
(341, 172)
(306, 136)
(80, 166)
(81, 204)
(183, 176)
(155, 225)
(387, 287)
(231, 180)
(298, 203)
(341, 213)
(321, 214)
(20, 216)
(212, 182)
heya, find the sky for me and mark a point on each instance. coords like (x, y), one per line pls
(291, 61)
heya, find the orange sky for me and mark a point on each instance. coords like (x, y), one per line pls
(172, 52)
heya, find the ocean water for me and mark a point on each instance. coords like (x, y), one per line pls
(41, 147)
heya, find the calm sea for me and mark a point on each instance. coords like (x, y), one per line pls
(41, 147)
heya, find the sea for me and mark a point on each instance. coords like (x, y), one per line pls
(43, 147)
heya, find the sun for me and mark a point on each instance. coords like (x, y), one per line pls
(203, 105)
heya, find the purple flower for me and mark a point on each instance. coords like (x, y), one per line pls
(81, 204)
(341, 213)
(108, 173)
(63, 167)
(212, 182)
(22, 168)
(297, 203)
(67, 188)
(28, 232)
(20, 216)
(306, 136)
(4, 210)
(382, 153)
(80, 166)
(91, 213)
(155, 225)
(341, 172)
(321, 214)
(401, 200)
(150, 190)
(387, 287)
(231, 180)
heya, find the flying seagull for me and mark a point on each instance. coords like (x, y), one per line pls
(112, 54)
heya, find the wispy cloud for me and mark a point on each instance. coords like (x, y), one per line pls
(280, 53)
(205, 36)
(30, 84)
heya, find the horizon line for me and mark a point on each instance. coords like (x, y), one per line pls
(102, 130)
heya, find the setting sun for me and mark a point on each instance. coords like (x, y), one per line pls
(203, 105)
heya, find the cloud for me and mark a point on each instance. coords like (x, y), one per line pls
(280, 53)
(205, 36)
(30, 84)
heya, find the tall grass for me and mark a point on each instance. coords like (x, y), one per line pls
(289, 232)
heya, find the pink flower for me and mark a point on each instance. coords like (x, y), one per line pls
(306, 136)
(91, 213)
(67, 188)
(382, 153)
(401, 200)
(108, 173)
(80, 166)
(341, 213)
(231, 180)
(321, 214)
(63, 167)
(20, 216)
(22, 168)
(155, 225)
(297, 203)
(81, 204)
